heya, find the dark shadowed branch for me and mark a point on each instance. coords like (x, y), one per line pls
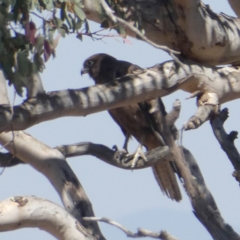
(203, 202)
(204, 205)
(115, 157)
(226, 141)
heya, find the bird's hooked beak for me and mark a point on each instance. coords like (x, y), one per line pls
(84, 70)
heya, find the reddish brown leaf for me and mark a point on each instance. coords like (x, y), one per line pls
(31, 32)
(47, 50)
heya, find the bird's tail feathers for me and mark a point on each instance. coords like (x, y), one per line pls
(167, 181)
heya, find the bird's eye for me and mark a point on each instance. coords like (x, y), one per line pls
(90, 63)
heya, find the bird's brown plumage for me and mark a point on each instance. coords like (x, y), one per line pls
(103, 68)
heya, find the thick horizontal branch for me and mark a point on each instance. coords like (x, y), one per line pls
(117, 158)
(187, 26)
(160, 80)
(226, 141)
(24, 212)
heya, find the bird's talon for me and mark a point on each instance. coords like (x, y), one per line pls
(114, 148)
(139, 154)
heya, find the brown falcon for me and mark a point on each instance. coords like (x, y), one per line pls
(132, 119)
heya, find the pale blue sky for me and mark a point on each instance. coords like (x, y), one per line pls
(130, 197)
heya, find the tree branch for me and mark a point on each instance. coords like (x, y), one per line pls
(140, 233)
(5, 106)
(160, 80)
(24, 211)
(117, 158)
(8, 160)
(52, 164)
(205, 208)
(145, 39)
(208, 106)
(189, 27)
(203, 202)
(226, 141)
(235, 6)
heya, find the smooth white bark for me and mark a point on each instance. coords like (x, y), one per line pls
(32, 212)
(51, 163)
(187, 26)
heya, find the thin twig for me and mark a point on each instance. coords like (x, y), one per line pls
(139, 34)
(140, 233)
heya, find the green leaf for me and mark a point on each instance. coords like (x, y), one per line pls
(18, 83)
(79, 12)
(49, 4)
(79, 36)
(39, 42)
(63, 11)
(121, 30)
(62, 31)
(7, 3)
(23, 64)
(105, 24)
(79, 3)
(42, 4)
(19, 41)
(78, 24)
(1, 47)
(58, 22)
(7, 64)
(38, 63)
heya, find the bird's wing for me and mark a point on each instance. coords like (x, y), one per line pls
(137, 120)
(163, 170)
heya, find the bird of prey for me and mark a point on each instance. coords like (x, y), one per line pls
(103, 68)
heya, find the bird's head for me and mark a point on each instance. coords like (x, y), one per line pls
(97, 65)
(87, 66)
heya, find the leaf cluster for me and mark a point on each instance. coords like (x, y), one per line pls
(28, 39)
